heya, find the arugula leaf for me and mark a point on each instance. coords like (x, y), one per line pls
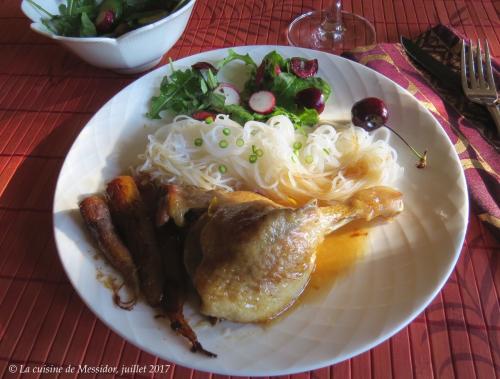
(75, 18)
(63, 25)
(87, 27)
(275, 58)
(238, 113)
(160, 103)
(216, 101)
(233, 56)
(63, 10)
(306, 117)
(185, 92)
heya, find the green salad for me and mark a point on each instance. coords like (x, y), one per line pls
(108, 18)
(277, 86)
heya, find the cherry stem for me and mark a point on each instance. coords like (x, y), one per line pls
(422, 157)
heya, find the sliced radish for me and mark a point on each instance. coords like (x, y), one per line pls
(203, 115)
(262, 102)
(230, 92)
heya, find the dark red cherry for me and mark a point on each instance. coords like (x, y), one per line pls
(311, 98)
(369, 113)
(304, 68)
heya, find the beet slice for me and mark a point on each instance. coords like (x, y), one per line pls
(204, 66)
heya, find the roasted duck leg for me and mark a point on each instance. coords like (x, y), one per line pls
(250, 259)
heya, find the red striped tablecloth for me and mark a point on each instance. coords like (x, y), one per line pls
(46, 97)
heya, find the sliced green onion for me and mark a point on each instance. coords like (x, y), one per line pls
(222, 169)
(223, 143)
(309, 159)
(240, 142)
(252, 158)
(259, 152)
(226, 131)
(209, 120)
(297, 145)
(198, 142)
(327, 151)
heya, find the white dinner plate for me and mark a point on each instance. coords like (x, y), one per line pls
(406, 263)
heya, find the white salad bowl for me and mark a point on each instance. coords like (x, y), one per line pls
(133, 52)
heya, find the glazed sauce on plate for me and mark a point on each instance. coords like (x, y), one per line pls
(338, 253)
(335, 256)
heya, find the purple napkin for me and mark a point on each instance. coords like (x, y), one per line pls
(468, 125)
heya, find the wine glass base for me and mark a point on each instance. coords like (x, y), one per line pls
(306, 31)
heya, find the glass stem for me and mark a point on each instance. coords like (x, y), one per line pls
(332, 24)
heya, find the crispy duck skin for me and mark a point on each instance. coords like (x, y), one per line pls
(171, 244)
(250, 259)
(95, 213)
(131, 218)
(178, 200)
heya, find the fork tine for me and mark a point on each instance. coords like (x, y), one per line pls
(472, 71)
(489, 73)
(479, 65)
(463, 70)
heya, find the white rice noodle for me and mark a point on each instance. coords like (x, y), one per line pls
(291, 166)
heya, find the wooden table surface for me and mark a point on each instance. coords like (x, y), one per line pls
(47, 95)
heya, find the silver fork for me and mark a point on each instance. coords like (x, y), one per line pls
(482, 90)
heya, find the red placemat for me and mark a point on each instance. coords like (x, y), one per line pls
(46, 97)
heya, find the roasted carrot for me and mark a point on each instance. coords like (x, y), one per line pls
(134, 224)
(171, 243)
(95, 213)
